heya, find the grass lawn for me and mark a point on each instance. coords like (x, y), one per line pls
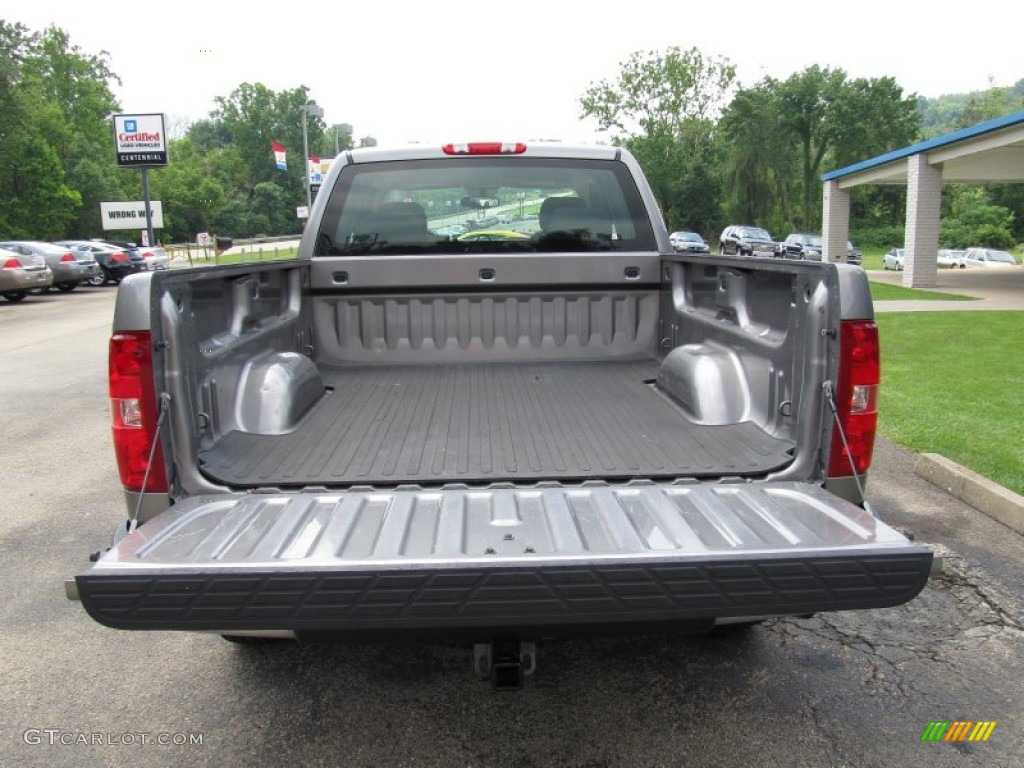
(887, 292)
(272, 255)
(239, 258)
(871, 258)
(953, 384)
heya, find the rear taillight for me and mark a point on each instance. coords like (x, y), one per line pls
(133, 411)
(485, 148)
(67, 257)
(118, 257)
(856, 398)
(12, 264)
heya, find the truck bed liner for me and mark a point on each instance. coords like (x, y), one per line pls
(490, 422)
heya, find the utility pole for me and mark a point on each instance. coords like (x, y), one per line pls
(316, 111)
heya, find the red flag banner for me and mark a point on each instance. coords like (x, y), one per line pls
(282, 164)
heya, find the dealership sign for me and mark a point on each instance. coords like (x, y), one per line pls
(140, 140)
(131, 215)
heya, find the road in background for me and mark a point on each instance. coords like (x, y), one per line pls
(856, 688)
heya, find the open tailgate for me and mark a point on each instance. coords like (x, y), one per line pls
(500, 559)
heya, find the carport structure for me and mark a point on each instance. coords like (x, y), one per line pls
(989, 151)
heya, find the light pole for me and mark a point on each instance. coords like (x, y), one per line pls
(339, 129)
(316, 111)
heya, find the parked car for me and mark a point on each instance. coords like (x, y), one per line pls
(68, 272)
(451, 231)
(950, 258)
(114, 263)
(988, 257)
(853, 254)
(894, 259)
(152, 256)
(21, 273)
(800, 245)
(743, 240)
(688, 242)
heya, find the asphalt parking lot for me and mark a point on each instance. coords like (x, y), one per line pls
(856, 688)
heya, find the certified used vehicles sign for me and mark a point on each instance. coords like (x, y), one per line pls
(140, 140)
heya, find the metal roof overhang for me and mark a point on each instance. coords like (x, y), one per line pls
(990, 151)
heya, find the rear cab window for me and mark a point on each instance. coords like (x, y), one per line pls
(480, 205)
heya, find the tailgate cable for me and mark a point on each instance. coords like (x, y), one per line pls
(165, 402)
(846, 445)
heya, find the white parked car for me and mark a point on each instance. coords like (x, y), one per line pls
(894, 259)
(950, 258)
(688, 242)
(156, 257)
(988, 257)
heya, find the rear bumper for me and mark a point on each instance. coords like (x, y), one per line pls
(503, 598)
(24, 280)
(460, 561)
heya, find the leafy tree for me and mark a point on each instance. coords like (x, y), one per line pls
(71, 91)
(949, 112)
(663, 107)
(972, 220)
(784, 133)
(254, 115)
(35, 200)
(251, 117)
(761, 161)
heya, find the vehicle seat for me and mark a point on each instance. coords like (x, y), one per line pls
(594, 221)
(397, 223)
(551, 206)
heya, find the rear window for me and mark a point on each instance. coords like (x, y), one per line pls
(493, 204)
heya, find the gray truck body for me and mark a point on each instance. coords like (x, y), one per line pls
(495, 442)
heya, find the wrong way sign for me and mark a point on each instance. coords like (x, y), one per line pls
(131, 215)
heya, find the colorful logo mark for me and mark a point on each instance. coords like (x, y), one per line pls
(131, 126)
(958, 730)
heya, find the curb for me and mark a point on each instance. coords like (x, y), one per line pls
(994, 500)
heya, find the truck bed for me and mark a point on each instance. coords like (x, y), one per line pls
(489, 422)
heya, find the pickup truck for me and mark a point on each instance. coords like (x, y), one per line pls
(571, 430)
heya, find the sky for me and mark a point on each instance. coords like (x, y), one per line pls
(513, 70)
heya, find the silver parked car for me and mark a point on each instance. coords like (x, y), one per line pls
(947, 257)
(69, 271)
(801, 245)
(20, 273)
(988, 257)
(894, 259)
(688, 242)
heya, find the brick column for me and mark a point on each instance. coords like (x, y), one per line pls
(835, 222)
(924, 211)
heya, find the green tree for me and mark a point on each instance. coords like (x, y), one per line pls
(760, 161)
(191, 193)
(973, 220)
(795, 128)
(253, 116)
(35, 200)
(72, 100)
(663, 107)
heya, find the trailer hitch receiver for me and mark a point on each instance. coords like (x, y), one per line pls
(505, 662)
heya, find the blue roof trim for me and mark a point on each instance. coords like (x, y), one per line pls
(925, 146)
